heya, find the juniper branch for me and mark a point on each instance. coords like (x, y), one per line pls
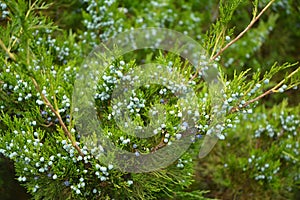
(63, 125)
(253, 21)
(270, 91)
(7, 51)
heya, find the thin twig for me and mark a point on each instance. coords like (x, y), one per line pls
(238, 37)
(37, 87)
(251, 101)
(159, 146)
(244, 31)
(270, 91)
(48, 125)
(64, 127)
(11, 55)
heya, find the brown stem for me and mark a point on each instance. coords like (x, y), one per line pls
(64, 127)
(238, 37)
(270, 91)
(48, 125)
(251, 101)
(244, 31)
(160, 145)
(11, 55)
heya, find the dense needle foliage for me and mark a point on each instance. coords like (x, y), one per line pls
(44, 43)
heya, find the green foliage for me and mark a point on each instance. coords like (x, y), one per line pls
(267, 162)
(43, 45)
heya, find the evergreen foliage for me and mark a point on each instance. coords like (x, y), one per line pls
(43, 45)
